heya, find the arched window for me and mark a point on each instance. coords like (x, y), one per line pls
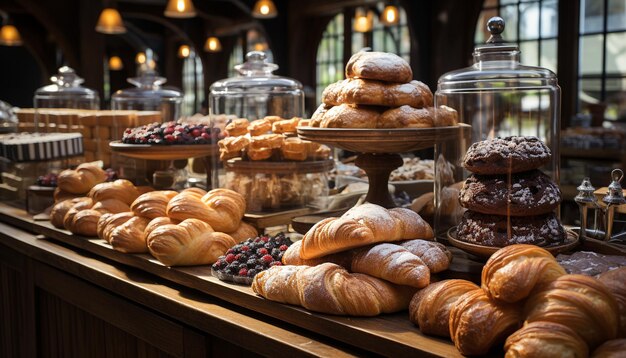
(193, 84)
(392, 38)
(533, 25)
(602, 48)
(330, 55)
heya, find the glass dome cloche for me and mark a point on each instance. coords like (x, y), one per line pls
(498, 97)
(66, 92)
(256, 93)
(148, 94)
(8, 120)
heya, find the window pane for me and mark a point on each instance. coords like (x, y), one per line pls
(589, 92)
(509, 14)
(529, 22)
(549, 55)
(504, 2)
(530, 53)
(591, 16)
(617, 15)
(481, 35)
(616, 53)
(549, 19)
(615, 98)
(591, 54)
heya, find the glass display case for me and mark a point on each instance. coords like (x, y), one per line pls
(256, 93)
(498, 97)
(8, 119)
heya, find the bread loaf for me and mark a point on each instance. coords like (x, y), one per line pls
(120, 189)
(81, 180)
(382, 66)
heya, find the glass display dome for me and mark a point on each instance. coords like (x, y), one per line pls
(498, 97)
(256, 92)
(148, 95)
(66, 92)
(8, 120)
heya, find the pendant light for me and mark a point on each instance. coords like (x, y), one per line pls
(115, 63)
(264, 9)
(390, 15)
(363, 20)
(140, 58)
(9, 36)
(180, 9)
(184, 51)
(212, 44)
(110, 22)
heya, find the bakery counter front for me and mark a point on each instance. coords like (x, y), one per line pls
(69, 295)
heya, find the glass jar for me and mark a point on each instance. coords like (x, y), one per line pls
(498, 97)
(8, 119)
(256, 93)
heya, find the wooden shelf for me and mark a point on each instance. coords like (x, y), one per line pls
(594, 153)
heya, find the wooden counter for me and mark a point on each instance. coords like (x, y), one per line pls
(64, 284)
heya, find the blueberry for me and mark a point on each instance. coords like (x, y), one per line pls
(275, 252)
(243, 266)
(252, 272)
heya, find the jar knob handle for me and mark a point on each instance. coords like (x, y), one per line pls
(495, 25)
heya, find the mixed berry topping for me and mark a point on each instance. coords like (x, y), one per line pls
(49, 179)
(172, 133)
(250, 257)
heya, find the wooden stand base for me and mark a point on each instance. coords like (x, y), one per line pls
(378, 167)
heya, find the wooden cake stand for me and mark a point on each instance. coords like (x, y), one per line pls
(170, 152)
(379, 150)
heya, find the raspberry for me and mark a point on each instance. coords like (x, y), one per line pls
(267, 259)
(206, 136)
(283, 247)
(196, 132)
(170, 138)
(252, 272)
(245, 248)
(265, 239)
(169, 130)
(238, 257)
(243, 272)
(276, 263)
(230, 258)
(262, 251)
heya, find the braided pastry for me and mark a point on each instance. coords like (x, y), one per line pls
(60, 209)
(153, 204)
(120, 189)
(81, 180)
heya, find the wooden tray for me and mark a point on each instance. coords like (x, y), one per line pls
(486, 251)
(387, 335)
(396, 140)
(163, 152)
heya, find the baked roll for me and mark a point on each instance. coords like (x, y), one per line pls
(405, 117)
(582, 303)
(294, 149)
(349, 116)
(220, 208)
(260, 126)
(329, 288)
(57, 214)
(376, 93)
(478, 323)
(260, 153)
(231, 147)
(153, 204)
(434, 254)
(270, 140)
(430, 307)
(286, 126)
(60, 195)
(120, 189)
(318, 115)
(75, 209)
(237, 127)
(108, 222)
(128, 237)
(316, 151)
(192, 242)
(614, 348)
(444, 116)
(84, 222)
(545, 339)
(81, 180)
(110, 206)
(512, 272)
(615, 281)
(382, 66)
(243, 232)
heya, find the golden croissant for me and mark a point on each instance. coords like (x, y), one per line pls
(192, 242)
(57, 214)
(222, 209)
(363, 225)
(244, 231)
(153, 204)
(615, 281)
(120, 189)
(434, 254)
(109, 221)
(129, 237)
(545, 340)
(81, 180)
(329, 288)
(512, 272)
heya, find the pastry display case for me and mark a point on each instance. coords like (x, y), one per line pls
(496, 96)
(8, 119)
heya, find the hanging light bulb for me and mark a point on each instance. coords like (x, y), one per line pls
(390, 15)
(184, 51)
(140, 58)
(110, 22)
(180, 9)
(264, 9)
(212, 44)
(9, 36)
(115, 63)
(363, 20)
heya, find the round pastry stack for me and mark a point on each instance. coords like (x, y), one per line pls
(379, 92)
(509, 200)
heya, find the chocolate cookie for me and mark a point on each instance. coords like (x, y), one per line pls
(506, 155)
(493, 230)
(521, 194)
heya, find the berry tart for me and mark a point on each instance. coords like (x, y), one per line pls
(172, 133)
(246, 259)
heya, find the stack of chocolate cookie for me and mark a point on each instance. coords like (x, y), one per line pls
(509, 200)
(379, 92)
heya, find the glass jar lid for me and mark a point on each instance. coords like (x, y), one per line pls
(148, 86)
(255, 76)
(496, 66)
(66, 83)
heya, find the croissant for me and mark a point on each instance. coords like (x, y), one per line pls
(434, 254)
(243, 232)
(393, 263)
(85, 204)
(60, 195)
(292, 257)
(222, 209)
(85, 223)
(81, 180)
(192, 242)
(153, 204)
(109, 221)
(57, 214)
(110, 206)
(128, 237)
(615, 281)
(329, 288)
(157, 222)
(478, 323)
(545, 340)
(430, 307)
(360, 226)
(512, 272)
(120, 189)
(580, 302)
(614, 348)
